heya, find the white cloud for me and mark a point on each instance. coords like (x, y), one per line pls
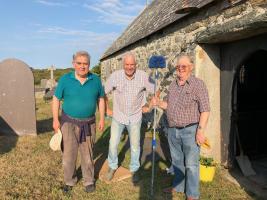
(115, 11)
(73, 32)
(51, 3)
(80, 38)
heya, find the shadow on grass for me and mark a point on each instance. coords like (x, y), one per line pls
(44, 126)
(162, 155)
(161, 180)
(8, 137)
(101, 150)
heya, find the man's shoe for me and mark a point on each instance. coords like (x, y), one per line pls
(90, 188)
(135, 178)
(67, 189)
(169, 190)
(190, 198)
(109, 175)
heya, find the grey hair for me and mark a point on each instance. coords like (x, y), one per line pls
(128, 54)
(188, 55)
(81, 53)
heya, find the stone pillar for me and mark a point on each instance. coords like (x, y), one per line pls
(207, 62)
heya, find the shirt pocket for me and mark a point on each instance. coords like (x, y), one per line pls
(119, 88)
(189, 99)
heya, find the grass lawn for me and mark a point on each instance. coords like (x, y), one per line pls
(30, 170)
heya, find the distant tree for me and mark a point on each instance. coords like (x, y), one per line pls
(40, 74)
(59, 72)
(96, 69)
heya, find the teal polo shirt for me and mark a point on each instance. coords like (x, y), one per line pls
(79, 100)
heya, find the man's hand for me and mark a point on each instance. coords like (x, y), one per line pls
(154, 101)
(109, 112)
(200, 137)
(56, 125)
(101, 124)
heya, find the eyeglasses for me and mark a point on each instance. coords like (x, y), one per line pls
(181, 66)
(80, 63)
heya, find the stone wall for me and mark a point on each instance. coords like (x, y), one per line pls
(214, 24)
(202, 27)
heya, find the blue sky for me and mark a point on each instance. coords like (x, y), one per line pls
(47, 32)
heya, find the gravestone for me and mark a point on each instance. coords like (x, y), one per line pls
(43, 83)
(17, 102)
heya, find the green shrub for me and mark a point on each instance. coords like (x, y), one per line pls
(206, 161)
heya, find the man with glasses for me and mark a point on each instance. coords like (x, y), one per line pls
(187, 108)
(81, 91)
(129, 87)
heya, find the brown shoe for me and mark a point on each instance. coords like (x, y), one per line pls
(190, 198)
(169, 190)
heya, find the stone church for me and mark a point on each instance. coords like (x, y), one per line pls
(229, 42)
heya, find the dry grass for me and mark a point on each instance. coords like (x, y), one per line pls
(30, 170)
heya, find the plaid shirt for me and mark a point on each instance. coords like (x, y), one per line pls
(185, 103)
(128, 95)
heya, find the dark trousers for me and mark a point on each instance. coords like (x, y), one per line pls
(71, 135)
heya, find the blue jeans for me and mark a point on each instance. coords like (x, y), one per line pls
(134, 135)
(185, 160)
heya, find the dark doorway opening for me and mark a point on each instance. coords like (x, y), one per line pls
(250, 105)
(249, 108)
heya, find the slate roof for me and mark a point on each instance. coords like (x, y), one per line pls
(159, 14)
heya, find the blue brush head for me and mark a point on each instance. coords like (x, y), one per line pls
(157, 62)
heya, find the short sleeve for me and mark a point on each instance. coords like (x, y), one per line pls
(203, 97)
(101, 90)
(59, 91)
(108, 87)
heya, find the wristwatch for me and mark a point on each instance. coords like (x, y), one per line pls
(199, 127)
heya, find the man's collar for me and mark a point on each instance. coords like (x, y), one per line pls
(188, 80)
(89, 75)
(127, 78)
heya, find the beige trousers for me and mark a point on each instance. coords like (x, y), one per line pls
(71, 145)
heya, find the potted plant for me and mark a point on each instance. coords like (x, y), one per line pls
(207, 169)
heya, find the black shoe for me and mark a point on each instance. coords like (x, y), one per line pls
(67, 189)
(90, 188)
(135, 178)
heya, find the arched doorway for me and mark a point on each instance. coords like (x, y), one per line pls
(250, 105)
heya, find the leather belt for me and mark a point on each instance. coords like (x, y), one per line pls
(186, 126)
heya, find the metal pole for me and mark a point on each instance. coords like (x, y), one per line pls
(154, 139)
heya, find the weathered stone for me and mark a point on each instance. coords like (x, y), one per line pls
(17, 100)
(51, 83)
(193, 27)
(219, 22)
(43, 83)
(259, 3)
(247, 26)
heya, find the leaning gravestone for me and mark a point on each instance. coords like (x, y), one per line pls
(17, 102)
